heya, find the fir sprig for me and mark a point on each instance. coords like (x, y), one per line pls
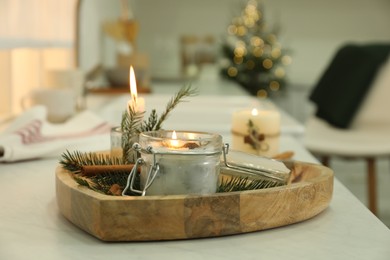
(83, 182)
(151, 123)
(186, 91)
(74, 162)
(131, 127)
(132, 124)
(240, 183)
(132, 120)
(102, 182)
(106, 180)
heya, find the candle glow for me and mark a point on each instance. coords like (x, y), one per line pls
(133, 87)
(137, 104)
(174, 141)
(254, 112)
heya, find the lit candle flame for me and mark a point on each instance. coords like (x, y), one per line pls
(254, 112)
(174, 141)
(133, 88)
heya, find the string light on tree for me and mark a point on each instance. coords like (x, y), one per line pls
(253, 56)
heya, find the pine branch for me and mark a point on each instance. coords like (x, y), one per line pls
(73, 162)
(179, 97)
(151, 123)
(103, 182)
(240, 183)
(132, 121)
(131, 127)
(84, 182)
(132, 124)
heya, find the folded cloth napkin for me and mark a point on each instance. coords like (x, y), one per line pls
(30, 136)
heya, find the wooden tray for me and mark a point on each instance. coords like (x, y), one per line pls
(116, 218)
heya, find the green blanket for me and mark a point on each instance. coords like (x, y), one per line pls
(346, 81)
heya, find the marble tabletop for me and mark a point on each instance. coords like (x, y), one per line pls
(31, 225)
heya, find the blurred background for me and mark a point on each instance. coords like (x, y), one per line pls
(167, 33)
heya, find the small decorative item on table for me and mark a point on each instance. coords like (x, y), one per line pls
(178, 163)
(251, 171)
(256, 131)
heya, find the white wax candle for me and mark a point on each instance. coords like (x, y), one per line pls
(138, 105)
(265, 122)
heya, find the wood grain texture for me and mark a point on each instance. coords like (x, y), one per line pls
(116, 218)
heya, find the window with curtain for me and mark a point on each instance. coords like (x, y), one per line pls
(35, 35)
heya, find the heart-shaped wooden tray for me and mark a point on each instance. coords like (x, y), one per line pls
(117, 218)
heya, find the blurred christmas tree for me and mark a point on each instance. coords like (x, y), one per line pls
(252, 55)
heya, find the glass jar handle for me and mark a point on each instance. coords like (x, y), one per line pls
(150, 177)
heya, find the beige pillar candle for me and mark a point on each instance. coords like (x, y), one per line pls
(266, 124)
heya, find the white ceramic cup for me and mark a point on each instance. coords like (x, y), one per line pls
(64, 78)
(68, 79)
(60, 103)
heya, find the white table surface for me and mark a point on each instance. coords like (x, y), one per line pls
(31, 226)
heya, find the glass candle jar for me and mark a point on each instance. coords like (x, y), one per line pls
(121, 145)
(180, 162)
(116, 142)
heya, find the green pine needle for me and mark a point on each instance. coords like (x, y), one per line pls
(239, 183)
(132, 121)
(186, 91)
(84, 182)
(151, 123)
